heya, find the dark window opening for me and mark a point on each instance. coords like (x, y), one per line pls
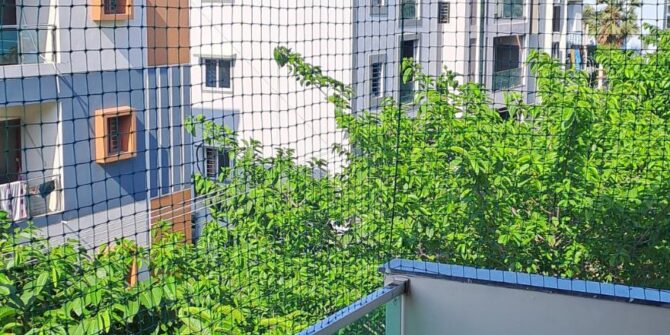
(556, 20)
(118, 134)
(115, 6)
(408, 51)
(376, 79)
(10, 151)
(215, 160)
(444, 9)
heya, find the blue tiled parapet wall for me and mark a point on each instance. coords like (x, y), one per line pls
(529, 281)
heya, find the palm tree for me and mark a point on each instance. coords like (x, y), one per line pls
(614, 23)
(611, 22)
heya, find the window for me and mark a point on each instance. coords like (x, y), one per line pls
(667, 16)
(218, 73)
(115, 136)
(555, 50)
(377, 64)
(378, 7)
(443, 9)
(10, 151)
(511, 9)
(408, 51)
(376, 79)
(507, 62)
(472, 60)
(215, 160)
(114, 6)
(473, 12)
(556, 20)
(408, 10)
(111, 10)
(118, 129)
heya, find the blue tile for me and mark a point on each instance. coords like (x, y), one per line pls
(470, 272)
(550, 282)
(483, 274)
(457, 271)
(607, 289)
(445, 269)
(592, 287)
(497, 275)
(579, 285)
(665, 296)
(637, 293)
(432, 267)
(622, 291)
(523, 278)
(564, 284)
(652, 295)
(509, 277)
(537, 280)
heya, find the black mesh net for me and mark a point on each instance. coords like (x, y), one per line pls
(238, 166)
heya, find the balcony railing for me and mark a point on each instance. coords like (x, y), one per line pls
(26, 44)
(507, 79)
(23, 199)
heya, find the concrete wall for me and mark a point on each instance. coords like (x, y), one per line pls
(474, 302)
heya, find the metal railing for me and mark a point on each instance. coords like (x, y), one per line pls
(386, 297)
(507, 78)
(23, 199)
(21, 44)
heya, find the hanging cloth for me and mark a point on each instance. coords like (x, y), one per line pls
(578, 59)
(19, 190)
(6, 199)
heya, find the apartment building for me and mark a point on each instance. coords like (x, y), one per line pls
(237, 82)
(93, 94)
(362, 43)
(483, 41)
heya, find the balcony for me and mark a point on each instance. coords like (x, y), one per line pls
(430, 298)
(25, 199)
(26, 44)
(506, 79)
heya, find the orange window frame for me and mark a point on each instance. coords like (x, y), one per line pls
(98, 11)
(102, 117)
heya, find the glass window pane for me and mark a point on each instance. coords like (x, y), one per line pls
(224, 73)
(210, 72)
(376, 79)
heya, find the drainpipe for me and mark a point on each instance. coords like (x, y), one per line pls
(482, 55)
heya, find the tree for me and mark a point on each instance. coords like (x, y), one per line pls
(611, 25)
(612, 21)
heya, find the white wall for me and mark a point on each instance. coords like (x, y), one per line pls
(41, 138)
(265, 102)
(439, 306)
